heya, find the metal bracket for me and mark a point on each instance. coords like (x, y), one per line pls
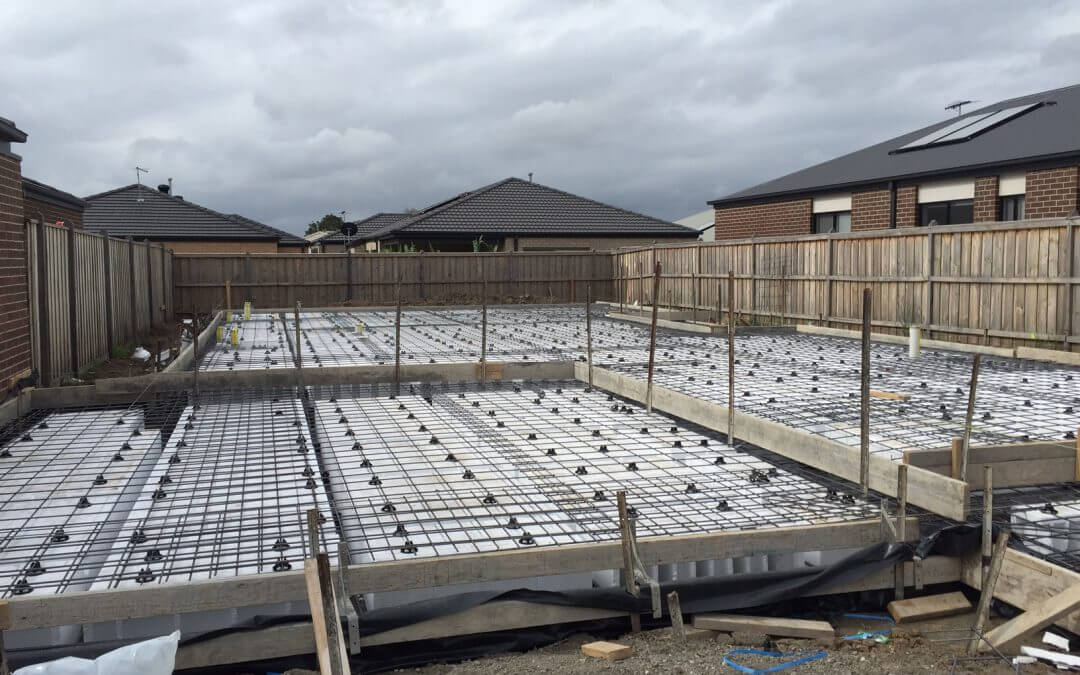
(888, 530)
(346, 602)
(641, 576)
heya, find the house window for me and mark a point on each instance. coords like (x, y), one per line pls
(1012, 207)
(947, 213)
(837, 221)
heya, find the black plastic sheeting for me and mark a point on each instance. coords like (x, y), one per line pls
(707, 594)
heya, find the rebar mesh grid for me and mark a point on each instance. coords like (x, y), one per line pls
(467, 468)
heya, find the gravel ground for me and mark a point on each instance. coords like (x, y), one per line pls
(913, 648)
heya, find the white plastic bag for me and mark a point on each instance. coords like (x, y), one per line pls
(156, 656)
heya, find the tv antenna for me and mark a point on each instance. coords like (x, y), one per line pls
(958, 106)
(138, 180)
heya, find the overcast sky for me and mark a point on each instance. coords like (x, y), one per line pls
(283, 110)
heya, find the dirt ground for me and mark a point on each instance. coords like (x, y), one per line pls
(913, 648)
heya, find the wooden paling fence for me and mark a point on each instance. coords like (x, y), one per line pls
(995, 283)
(327, 280)
(89, 293)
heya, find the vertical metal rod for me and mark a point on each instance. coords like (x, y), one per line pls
(588, 328)
(901, 523)
(299, 351)
(348, 275)
(483, 333)
(719, 303)
(397, 342)
(228, 297)
(149, 287)
(730, 356)
(622, 284)
(628, 563)
(652, 337)
(864, 417)
(164, 289)
(988, 511)
(968, 416)
(195, 353)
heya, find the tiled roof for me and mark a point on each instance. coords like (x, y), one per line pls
(142, 212)
(1048, 131)
(47, 193)
(363, 228)
(286, 238)
(518, 207)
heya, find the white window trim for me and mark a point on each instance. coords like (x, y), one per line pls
(947, 191)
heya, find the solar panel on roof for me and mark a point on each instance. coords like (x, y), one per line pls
(967, 128)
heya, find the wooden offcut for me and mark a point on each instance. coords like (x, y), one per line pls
(779, 627)
(890, 395)
(611, 651)
(928, 607)
(1040, 615)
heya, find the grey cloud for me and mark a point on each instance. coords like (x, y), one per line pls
(283, 110)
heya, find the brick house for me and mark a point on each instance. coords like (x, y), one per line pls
(41, 200)
(15, 345)
(518, 215)
(146, 214)
(1012, 160)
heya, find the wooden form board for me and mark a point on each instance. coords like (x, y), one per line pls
(928, 607)
(1005, 637)
(224, 593)
(664, 323)
(107, 390)
(926, 489)
(1025, 582)
(291, 639)
(1015, 464)
(609, 651)
(779, 627)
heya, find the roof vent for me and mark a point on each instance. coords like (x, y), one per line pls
(163, 188)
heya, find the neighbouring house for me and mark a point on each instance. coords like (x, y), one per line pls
(520, 215)
(54, 205)
(146, 214)
(1012, 160)
(702, 221)
(15, 334)
(336, 242)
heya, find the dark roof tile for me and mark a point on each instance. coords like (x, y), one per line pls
(517, 207)
(1048, 131)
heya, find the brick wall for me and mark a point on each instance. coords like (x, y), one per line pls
(907, 206)
(14, 304)
(1052, 193)
(870, 209)
(52, 212)
(777, 218)
(986, 199)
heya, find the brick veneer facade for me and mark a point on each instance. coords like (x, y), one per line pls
(15, 343)
(52, 212)
(1052, 193)
(986, 199)
(870, 209)
(907, 206)
(776, 218)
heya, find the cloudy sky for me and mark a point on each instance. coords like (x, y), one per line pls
(284, 110)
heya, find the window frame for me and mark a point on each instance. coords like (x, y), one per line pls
(1018, 204)
(949, 205)
(834, 216)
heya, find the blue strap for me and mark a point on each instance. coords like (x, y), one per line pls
(803, 657)
(870, 617)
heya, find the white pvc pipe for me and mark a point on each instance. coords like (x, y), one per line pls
(914, 341)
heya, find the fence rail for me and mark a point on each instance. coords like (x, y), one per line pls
(995, 283)
(89, 293)
(279, 280)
